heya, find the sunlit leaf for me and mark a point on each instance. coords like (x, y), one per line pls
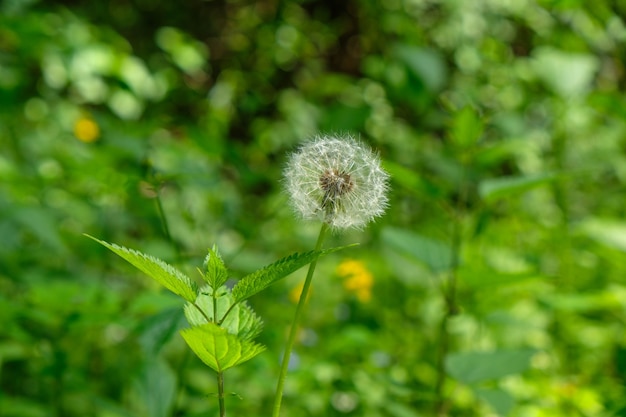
(163, 273)
(263, 278)
(216, 273)
(609, 232)
(567, 74)
(584, 302)
(241, 319)
(219, 349)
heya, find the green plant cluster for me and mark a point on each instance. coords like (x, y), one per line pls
(223, 326)
(494, 284)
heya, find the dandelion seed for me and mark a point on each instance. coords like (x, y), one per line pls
(337, 180)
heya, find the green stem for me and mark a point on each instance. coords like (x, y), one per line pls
(208, 320)
(295, 324)
(220, 393)
(451, 304)
(214, 305)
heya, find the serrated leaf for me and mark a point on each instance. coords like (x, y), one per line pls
(219, 349)
(216, 273)
(162, 272)
(241, 319)
(250, 325)
(472, 367)
(263, 278)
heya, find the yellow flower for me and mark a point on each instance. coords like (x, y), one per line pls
(357, 279)
(86, 130)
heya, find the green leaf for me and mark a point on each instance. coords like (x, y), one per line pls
(500, 401)
(466, 127)
(156, 387)
(241, 319)
(609, 232)
(163, 273)
(435, 254)
(409, 179)
(485, 278)
(495, 188)
(426, 64)
(155, 331)
(219, 349)
(549, 64)
(263, 278)
(472, 367)
(606, 300)
(216, 272)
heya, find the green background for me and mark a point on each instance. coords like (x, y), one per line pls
(499, 269)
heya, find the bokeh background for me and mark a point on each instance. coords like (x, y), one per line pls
(494, 285)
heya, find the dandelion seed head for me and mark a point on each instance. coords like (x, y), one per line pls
(337, 180)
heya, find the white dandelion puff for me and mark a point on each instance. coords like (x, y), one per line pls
(337, 180)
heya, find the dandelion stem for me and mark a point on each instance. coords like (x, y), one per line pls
(295, 324)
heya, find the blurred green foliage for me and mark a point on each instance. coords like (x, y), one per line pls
(163, 126)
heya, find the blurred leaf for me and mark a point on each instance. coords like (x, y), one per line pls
(216, 273)
(467, 127)
(163, 273)
(585, 302)
(435, 254)
(565, 73)
(609, 232)
(241, 319)
(488, 278)
(426, 64)
(23, 407)
(157, 330)
(472, 367)
(342, 117)
(396, 409)
(43, 224)
(495, 188)
(263, 278)
(219, 349)
(109, 408)
(409, 179)
(156, 387)
(499, 400)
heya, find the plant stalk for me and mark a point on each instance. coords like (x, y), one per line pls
(295, 324)
(220, 393)
(449, 290)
